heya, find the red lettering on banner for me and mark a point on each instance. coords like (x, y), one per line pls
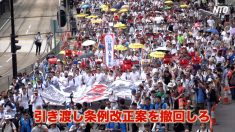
(179, 116)
(166, 116)
(90, 116)
(52, 116)
(191, 118)
(154, 116)
(115, 116)
(40, 116)
(128, 116)
(65, 116)
(203, 116)
(103, 116)
(141, 116)
(77, 119)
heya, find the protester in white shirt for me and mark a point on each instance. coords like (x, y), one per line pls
(24, 99)
(40, 86)
(220, 59)
(98, 76)
(89, 79)
(211, 22)
(71, 80)
(36, 101)
(78, 78)
(134, 75)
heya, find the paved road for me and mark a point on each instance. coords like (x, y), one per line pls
(23, 60)
(29, 8)
(26, 26)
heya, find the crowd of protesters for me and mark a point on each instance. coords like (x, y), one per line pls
(183, 31)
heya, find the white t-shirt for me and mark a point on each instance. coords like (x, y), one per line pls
(9, 127)
(134, 76)
(211, 22)
(78, 80)
(99, 77)
(24, 100)
(220, 59)
(37, 103)
(54, 129)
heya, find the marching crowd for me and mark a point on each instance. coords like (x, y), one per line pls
(198, 64)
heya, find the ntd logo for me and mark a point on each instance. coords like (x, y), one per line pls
(221, 9)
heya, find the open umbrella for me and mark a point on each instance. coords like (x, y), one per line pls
(62, 52)
(125, 7)
(117, 6)
(162, 49)
(120, 25)
(136, 46)
(120, 47)
(167, 8)
(104, 6)
(91, 16)
(157, 54)
(96, 21)
(105, 9)
(113, 9)
(88, 43)
(123, 10)
(84, 6)
(184, 6)
(81, 15)
(215, 31)
(168, 2)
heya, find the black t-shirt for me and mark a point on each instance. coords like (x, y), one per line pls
(176, 104)
(134, 127)
(88, 127)
(212, 96)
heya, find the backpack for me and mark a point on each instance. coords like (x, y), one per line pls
(232, 79)
(4, 125)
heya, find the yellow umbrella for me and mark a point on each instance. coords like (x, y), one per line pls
(91, 16)
(120, 47)
(81, 15)
(96, 21)
(123, 10)
(120, 25)
(113, 9)
(157, 54)
(184, 6)
(105, 9)
(136, 46)
(104, 6)
(62, 52)
(169, 2)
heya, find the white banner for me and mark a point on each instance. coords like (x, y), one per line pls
(109, 50)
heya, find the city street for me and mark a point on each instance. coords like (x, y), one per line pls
(177, 50)
(26, 26)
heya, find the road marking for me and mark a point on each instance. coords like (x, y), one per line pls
(9, 59)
